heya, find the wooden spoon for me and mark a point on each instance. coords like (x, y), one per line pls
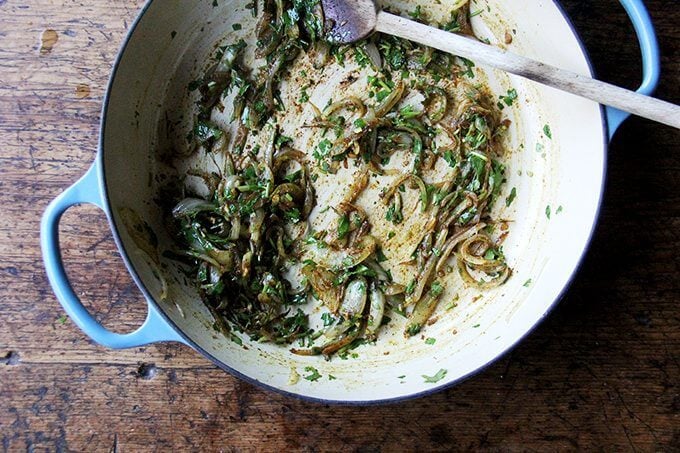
(351, 20)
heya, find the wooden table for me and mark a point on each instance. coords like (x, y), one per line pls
(602, 372)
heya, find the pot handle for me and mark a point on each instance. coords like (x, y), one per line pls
(651, 65)
(88, 190)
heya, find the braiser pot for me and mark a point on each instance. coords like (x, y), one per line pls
(157, 61)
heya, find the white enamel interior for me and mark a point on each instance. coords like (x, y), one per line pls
(166, 50)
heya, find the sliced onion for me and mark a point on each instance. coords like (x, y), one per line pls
(453, 242)
(322, 281)
(255, 228)
(394, 289)
(495, 282)
(440, 100)
(373, 55)
(392, 189)
(235, 231)
(421, 313)
(477, 261)
(192, 206)
(355, 298)
(376, 311)
(349, 101)
(391, 100)
(359, 183)
(424, 278)
(310, 199)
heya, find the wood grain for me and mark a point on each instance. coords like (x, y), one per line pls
(601, 373)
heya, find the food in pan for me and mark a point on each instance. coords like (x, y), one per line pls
(341, 186)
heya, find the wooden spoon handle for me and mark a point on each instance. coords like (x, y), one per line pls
(604, 93)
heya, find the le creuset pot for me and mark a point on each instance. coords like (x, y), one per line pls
(557, 165)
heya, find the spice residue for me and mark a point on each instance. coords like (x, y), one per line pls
(48, 39)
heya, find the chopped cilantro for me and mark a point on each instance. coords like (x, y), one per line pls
(509, 98)
(510, 198)
(416, 14)
(304, 97)
(436, 289)
(436, 378)
(430, 341)
(343, 226)
(322, 149)
(408, 112)
(314, 376)
(450, 158)
(547, 131)
(328, 319)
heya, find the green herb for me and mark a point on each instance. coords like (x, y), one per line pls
(416, 14)
(436, 289)
(314, 376)
(282, 140)
(476, 326)
(436, 378)
(407, 112)
(382, 94)
(343, 226)
(304, 97)
(339, 54)
(293, 215)
(322, 149)
(413, 329)
(361, 57)
(510, 198)
(410, 287)
(450, 158)
(235, 338)
(547, 211)
(527, 283)
(331, 377)
(207, 131)
(559, 209)
(236, 27)
(394, 215)
(401, 377)
(430, 341)
(328, 319)
(509, 98)
(469, 65)
(547, 131)
(393, 52)
(491, 254)
(62, 319)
